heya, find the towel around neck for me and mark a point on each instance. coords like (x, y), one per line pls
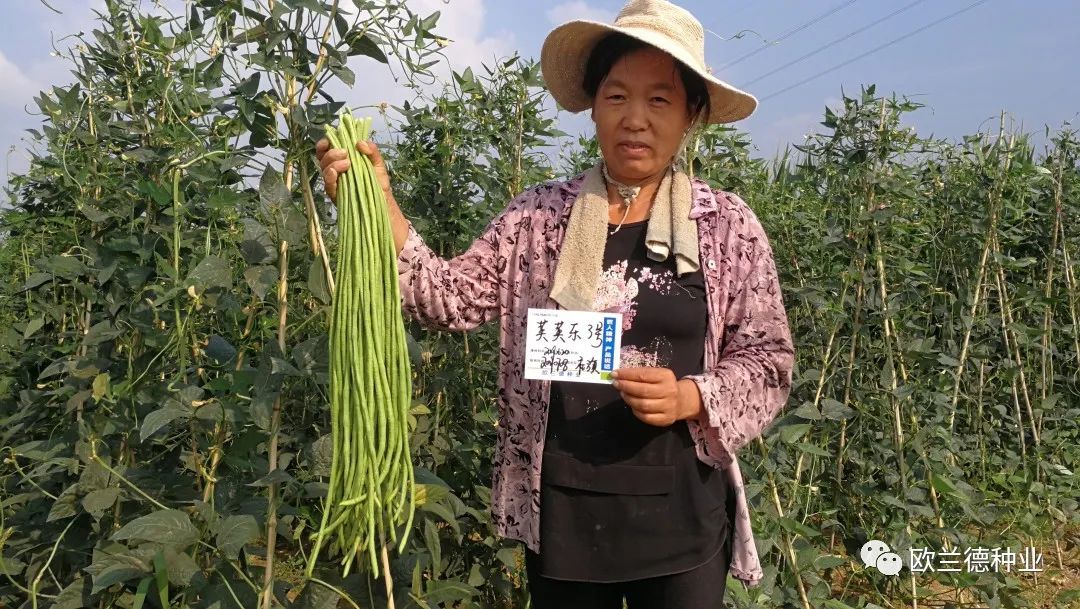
(671, 231)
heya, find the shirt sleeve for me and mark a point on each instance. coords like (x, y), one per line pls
(456, 294)
(751, 380)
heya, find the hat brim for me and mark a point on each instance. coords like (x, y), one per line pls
(566, 51)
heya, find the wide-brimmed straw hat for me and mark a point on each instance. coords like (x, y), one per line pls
(659, 23)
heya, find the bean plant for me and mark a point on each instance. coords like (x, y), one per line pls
(166, 275)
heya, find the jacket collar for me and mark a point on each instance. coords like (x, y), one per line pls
(704, 200)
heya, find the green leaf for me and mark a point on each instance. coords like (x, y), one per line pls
(211, 272)
(161, 578)
(347, 76)
(172, 527)
(96, 502)
(366, 46)
(322, 455)
(448, 591)
(272, 191)
(64, 506)
(219, 349)
(812, 449)
(36, 280)
(115, 574)
(797, 527)
(947, 360)
(836, 411)
(508, 557)
(278, 476)
(433, 545)
(113, 564)
(77, 595)
(65, 266)
(790, 434)
(829, 561)
(180, 567)
(100, 386)
(260, 279)
(808, 411)
(257, 245)
(140, 593)
(1066, 598)
(424, 493)
(234, 532)
(33, 326)
(160, 418)
(317, 283)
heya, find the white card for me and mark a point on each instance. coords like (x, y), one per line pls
(577, 346)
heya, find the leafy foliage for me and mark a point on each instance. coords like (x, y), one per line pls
(158, 343)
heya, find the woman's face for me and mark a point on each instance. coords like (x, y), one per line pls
(640, 114)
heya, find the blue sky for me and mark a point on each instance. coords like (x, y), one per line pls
(1002, 54)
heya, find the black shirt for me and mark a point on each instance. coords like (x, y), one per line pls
(622, 499)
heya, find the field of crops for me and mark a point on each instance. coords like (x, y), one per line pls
(166, 279)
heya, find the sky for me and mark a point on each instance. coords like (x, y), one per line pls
(974, 58)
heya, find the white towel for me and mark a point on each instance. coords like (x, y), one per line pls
(670, 231)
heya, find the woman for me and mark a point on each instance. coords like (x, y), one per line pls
(629, 491)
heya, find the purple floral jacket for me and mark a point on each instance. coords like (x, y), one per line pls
(510, 268)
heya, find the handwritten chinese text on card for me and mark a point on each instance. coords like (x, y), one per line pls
(579, 346)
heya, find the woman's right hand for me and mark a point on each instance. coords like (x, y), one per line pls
(332, 163)
(335, 161)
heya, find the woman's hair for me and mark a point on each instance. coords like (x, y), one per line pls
(617, 45)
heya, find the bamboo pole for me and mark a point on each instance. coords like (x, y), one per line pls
(275, 424)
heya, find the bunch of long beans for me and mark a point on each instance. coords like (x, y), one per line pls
(371, 476)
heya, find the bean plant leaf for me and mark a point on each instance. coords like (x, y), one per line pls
(834, 410)
(112, 564)
(322, 455)
(272, 191)
(64, 506)
(172, 527)
(36, 280)
(257, 246)
(234, 532)
(96, 502)
(33, 326)
(219, 349)
(808, 411)
(317, 283)
(160, 418)
(448, 591)
(260, 279)
(362, 44)
(77, 595)
(211, 272)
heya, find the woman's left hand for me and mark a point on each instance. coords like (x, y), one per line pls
(656, 396)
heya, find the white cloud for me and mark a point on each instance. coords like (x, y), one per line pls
(577, 9)
(462, 22)
(21, 87)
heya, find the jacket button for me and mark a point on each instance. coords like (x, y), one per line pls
(712, 265)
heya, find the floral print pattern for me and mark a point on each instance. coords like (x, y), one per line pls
(615, 294)
(748, 348)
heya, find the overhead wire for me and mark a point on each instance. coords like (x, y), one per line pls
(874, 50)
(790, 33)
(847, 36)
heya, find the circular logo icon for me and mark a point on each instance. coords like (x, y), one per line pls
(889, 563)
(871, 550)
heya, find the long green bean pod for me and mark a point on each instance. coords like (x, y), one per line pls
(370, 492)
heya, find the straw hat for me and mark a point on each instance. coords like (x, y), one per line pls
(659, 23)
